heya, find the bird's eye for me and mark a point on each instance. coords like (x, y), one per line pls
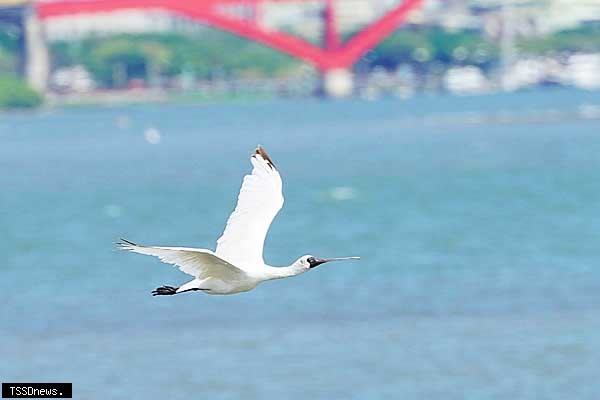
(310, 260)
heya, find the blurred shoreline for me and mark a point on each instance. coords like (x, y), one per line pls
(586, 109)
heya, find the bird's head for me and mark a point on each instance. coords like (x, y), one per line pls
(308, 262)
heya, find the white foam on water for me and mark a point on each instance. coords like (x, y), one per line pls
(152, 135)
(342, 193)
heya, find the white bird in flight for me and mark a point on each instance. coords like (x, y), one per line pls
(237, 264)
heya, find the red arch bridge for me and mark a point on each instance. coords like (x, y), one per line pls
(334, 54)
(240, 17)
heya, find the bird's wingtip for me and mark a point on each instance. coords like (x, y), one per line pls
(263, 154)
(125, 244)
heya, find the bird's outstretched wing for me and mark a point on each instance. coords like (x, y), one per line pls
(259, 201)
(199, 263)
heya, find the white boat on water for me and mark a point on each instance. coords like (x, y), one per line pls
(466, 80)
(583, 71)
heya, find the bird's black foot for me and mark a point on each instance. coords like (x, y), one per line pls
(164, 291)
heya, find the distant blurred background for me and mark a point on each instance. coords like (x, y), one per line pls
(454, 145)
(82, 51)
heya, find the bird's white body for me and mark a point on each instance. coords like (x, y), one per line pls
(242, 282)
(237, 264)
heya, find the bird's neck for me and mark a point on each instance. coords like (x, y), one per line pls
(283, 272)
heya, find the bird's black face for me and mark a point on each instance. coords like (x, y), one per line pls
(315, 262)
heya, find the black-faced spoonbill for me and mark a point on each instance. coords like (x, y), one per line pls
(237, 264)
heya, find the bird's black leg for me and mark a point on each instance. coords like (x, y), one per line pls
(170, 290)
(164, 291)
(193, 290)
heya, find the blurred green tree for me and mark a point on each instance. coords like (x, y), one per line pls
(14, 93)
(114, 62)
(434, 45)
(209, 55)
(583, 39)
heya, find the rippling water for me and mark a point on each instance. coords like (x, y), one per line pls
(478, 220)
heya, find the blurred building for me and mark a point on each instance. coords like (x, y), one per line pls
(529, 17)
(80, 26)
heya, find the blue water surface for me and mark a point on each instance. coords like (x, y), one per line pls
(477, 218)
